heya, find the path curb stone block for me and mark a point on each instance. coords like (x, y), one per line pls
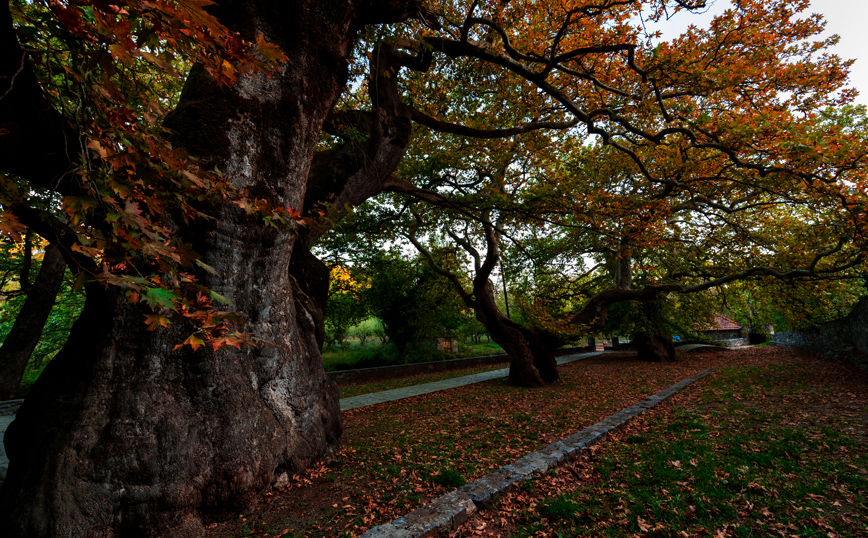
(450, 510)
(10, 407)
(454, 508)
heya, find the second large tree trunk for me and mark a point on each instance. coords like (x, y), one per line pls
(531, 365)
(654, 347)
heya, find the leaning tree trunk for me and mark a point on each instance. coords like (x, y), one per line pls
(27, 329)
(542, 346)
(654, 347)
(508, 335)
(122, 435)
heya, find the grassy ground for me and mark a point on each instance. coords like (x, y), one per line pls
(372, 353)
(751, 451)
(398, 456)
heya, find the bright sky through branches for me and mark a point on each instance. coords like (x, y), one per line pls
(843, 17)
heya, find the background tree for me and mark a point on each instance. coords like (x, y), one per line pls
(416, 307)
(23, 337)
(39, 308)
(789, 305)
(344, 307)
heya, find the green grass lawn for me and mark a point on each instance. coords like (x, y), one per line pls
(759, 451)
(372, 353)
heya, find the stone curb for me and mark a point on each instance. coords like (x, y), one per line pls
(454, 508)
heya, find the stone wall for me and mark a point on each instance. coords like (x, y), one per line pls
(365, 375)
(380, 373)
(849, 333)
(723, 335)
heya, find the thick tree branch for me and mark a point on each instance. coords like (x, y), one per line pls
(467, 246)
(492, 252)
(436, 267)
(446, 127)
(593, 314)
(350, 174)
(55, 232)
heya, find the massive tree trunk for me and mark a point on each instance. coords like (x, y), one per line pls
(124, 436)
(27, 329)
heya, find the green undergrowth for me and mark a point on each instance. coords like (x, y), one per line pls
(348, 391)
(372, 354)
(761, 451)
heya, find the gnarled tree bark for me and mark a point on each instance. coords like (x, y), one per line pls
(125, 436)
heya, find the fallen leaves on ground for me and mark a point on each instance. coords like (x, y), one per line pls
(400, 455)
(789, 459)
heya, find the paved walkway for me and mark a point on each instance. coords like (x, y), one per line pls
(7, 414)
(374, 398)
(691, 347)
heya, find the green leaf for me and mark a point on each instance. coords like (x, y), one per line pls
(160, 298)
(220, 299)
(206, 267)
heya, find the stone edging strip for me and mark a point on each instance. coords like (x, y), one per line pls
(454, 508)
(364, 400)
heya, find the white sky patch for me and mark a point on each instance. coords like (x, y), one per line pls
(846, 18)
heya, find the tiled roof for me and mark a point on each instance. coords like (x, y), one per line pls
(721, 323)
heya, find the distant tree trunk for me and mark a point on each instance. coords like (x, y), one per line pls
(22, 339)
(124, 436)
(530, 365)
(654, 347)
(542, 346)
(652, 344)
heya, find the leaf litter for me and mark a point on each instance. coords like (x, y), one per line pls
(397, 456)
